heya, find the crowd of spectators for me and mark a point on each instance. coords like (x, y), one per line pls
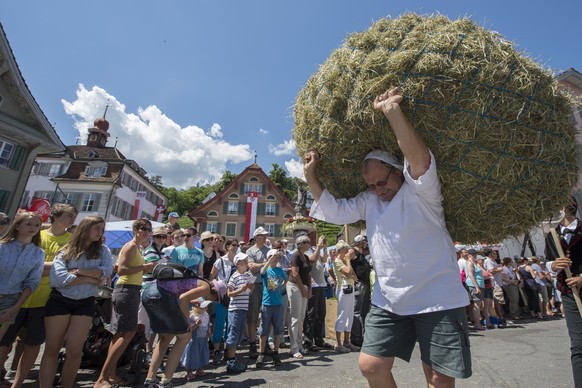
(241, 293)
(249, 294)
(508, 289)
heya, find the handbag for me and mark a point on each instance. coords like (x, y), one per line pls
(347, 289)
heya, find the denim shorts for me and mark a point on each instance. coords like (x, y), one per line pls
(163, 309)
(271, 315)
(487, 293)
(236, 327)
(7, 301)
(473, 296)
(442, 335)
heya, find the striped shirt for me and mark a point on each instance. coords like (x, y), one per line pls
(20, 267)
(241, 301)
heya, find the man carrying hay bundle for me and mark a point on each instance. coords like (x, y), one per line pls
(418, 295)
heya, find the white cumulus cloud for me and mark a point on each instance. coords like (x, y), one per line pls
(183, 157)
(295, 168)
(285, 148)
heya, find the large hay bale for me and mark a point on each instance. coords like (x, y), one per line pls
(500, 129)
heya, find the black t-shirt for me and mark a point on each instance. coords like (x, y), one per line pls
(362, 268)
(208, 264)
(301, 261)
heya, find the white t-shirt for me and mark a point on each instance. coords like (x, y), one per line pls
(461, 263)
(489, 265)
(414, 257)
(224, 268)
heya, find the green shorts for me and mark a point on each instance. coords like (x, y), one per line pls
(443, 337)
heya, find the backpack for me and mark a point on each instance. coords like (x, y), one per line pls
(170, 271)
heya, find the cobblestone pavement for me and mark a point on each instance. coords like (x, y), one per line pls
(531, 353)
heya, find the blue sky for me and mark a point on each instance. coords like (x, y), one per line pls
(196, 86)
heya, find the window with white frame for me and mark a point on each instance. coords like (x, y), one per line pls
(270, 208)
(256, 187)
(212, 227)
(213, 213)
(48, 169)
(270, 228)
(232, 207)
(90, 202)
(96, 171)
(231, 229)
(5, 152)
(48, 195)
(55, 169)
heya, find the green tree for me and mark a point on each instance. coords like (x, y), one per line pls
(156, 180)
(285, 183)
(329, 230)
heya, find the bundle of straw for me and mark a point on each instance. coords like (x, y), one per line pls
(501, 131)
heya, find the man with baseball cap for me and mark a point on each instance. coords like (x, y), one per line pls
(173, 220)
(417, 294)
(257, 259)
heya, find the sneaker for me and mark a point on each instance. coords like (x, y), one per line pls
(324, 345)
(234, 367)
(161, 368)
(253, 350)
(10, 373)
(342, 349)
(168, 384)
(217, 357)
(151, 383)
(352, 347)
(190, 376)
(260, 361)
(276, 359)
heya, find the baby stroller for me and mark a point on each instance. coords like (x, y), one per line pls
(97, 343)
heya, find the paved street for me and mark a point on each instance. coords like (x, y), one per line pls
(533, 353)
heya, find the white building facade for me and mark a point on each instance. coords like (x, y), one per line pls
(97, 180)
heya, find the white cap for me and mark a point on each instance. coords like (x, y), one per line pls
(239, 257)
(384, 157)
(260, 230)
(272, 252)
(360, 238)
(203, 303)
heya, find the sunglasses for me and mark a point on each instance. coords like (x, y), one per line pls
(188, 235)
(161, 236)
(144, 229)
(5, 222)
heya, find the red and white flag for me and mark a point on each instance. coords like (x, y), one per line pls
(160, 210)
(251, 220)
(138, 204)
